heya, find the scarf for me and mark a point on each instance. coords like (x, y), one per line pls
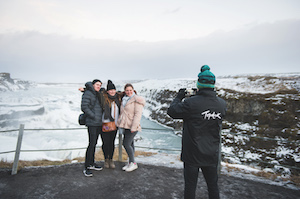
(107, 108)
(126, 98)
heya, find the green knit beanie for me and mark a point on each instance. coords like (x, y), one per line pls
(206, 79)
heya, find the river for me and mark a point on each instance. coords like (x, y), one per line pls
(55, 107)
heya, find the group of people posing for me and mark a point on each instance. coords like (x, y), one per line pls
(101, 106)
(202, 116)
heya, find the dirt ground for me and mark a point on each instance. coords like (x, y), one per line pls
(147, 182)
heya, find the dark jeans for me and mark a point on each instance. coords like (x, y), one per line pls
(108, 143)
(191, 178)
(93, 132)
(128, 143)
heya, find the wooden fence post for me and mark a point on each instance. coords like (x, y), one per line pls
(18, 150)
(120, 147)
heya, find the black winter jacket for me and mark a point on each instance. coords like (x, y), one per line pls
(91, 106)
(202, 116)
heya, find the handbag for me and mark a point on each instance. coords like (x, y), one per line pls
(81, 119)
(110, 126)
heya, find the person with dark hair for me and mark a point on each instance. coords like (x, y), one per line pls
(202, 116)
(129, 122)
(112, 102)
(91, 105)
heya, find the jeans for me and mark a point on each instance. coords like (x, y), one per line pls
(191, 178)
(108, 143)
(93, 132)
(128, 143)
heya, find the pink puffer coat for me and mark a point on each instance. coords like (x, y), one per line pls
(131, 114)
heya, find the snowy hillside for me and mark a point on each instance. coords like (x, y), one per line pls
(262, 123)
(261, 128)
(259, 83)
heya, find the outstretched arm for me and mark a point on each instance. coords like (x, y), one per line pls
(178, 109)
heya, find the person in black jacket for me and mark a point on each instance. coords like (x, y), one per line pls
(202, 116)
(112, 103)
(91, 105)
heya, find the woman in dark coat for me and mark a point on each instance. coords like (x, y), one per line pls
(112, 102)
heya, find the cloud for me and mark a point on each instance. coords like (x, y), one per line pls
(264, 48)
(176, 10)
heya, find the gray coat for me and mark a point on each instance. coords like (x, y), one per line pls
(91, 106)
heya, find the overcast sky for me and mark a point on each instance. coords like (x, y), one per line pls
(77, 41)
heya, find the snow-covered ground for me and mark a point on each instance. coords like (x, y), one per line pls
(52, 106)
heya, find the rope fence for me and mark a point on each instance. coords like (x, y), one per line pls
(155, 129)
(66, 129)
(21, 130)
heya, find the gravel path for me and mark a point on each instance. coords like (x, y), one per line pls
(151, 182)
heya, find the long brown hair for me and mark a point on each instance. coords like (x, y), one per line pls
(109, 101)
(129, 85)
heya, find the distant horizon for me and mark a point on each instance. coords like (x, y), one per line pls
(104, 81)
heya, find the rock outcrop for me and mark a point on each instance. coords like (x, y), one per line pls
(259, 129)
(9, 84)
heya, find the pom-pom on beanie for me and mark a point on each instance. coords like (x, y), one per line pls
(110, 85)
(206, 79)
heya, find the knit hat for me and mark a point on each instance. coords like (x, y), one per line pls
(95, 81)
(206, 79)
(110, 85)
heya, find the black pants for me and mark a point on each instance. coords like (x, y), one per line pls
(93, 132)
(191, 178)
(108, 143)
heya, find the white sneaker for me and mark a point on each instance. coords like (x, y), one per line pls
(125, 167)
(132, 166)
(87, 173)
(95, 167)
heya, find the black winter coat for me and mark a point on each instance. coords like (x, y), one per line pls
(91, 106)
(202, 116)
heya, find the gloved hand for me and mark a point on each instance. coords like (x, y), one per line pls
(181, 93)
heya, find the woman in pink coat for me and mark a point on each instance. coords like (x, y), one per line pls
(129, 122)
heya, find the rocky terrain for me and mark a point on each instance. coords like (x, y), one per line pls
(9, 84)
(261, 127)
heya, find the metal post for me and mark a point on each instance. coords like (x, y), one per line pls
(120, 147)
(18, 150)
